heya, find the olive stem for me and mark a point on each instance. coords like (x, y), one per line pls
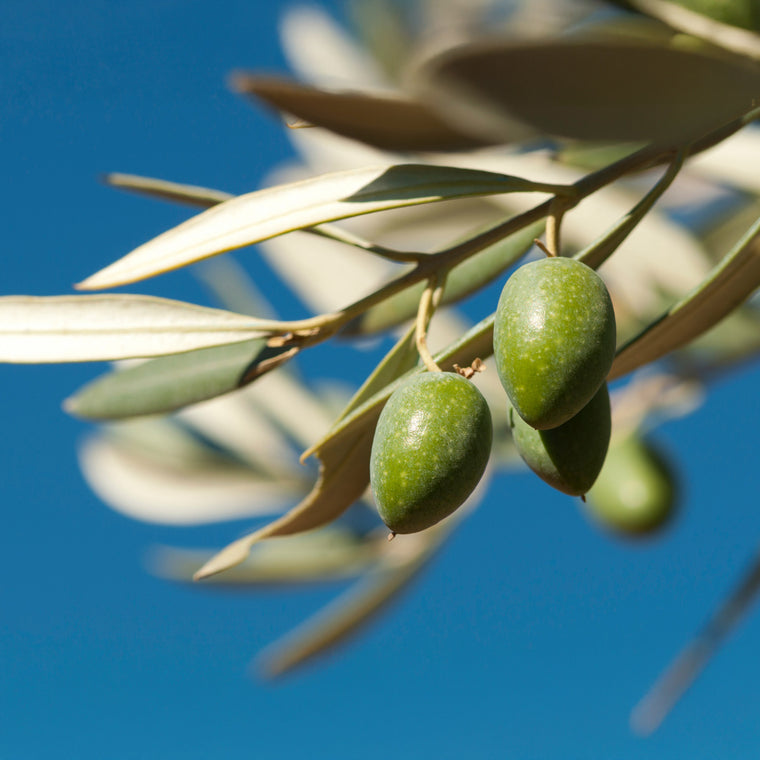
(553, 225)
(319, 328)
(430, 299)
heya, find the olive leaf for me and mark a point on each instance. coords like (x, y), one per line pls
(728, 285)
(344, 458)
(177, 380)
(263, 214)
(398, 361)
(588, 88)
(168, 191)
(35, 329)
(404, 559)
(597, 252)
(387, 122)
(328, 554)
(463, 280)
(178, 490)
(716, 31)
(683, 671)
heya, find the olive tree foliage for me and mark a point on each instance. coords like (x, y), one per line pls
(478, 129)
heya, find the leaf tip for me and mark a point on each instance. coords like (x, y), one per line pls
(231, 555)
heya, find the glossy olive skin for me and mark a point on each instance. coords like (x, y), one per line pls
(430, 449)
(570, 456)
(636, 492)
(554, 339)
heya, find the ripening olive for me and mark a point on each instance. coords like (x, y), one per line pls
(636, 490)
(431, 446)
(554, 339)
(570, 456)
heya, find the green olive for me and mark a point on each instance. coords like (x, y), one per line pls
(636, 492)
(570, 456)
(554, 339)
(430, 449)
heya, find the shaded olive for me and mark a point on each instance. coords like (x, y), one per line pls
(570, 456)
(554, 339)
(431, 446)
(636, 490)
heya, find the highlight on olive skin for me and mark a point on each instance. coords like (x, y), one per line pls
(430, 450)
(554, 339)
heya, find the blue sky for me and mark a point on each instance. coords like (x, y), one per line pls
(531, 635)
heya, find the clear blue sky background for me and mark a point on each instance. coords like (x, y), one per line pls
(531, 635)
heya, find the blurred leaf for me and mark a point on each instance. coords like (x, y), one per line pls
(260, 215)
(463, 280)
(35, 329)
(328, 554)
(387, 122)
(168, 191)
(683, 671)
(179, 491)
(730, 283)
(333, 624)
(724, 32)
(344, 459)
(171, 382)
(588, 88)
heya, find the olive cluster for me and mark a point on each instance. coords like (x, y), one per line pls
(554, 342)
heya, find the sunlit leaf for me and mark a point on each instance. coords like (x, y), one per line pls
(258, 216)
(171, 382)
(36, 329)
(730, 283)
(588, 88)
(386, 122)
(344, 459)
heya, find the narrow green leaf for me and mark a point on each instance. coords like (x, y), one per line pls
(35, 329)
(344, 459)
(589, 87)
(463, 280)
(387, 122)
(730, 283)
(595, 254)
(399, 360)
(171, 382)
(267, 213)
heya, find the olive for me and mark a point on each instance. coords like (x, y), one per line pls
(636, 491)
(430, 449)
(554, 339)
(568, 457)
